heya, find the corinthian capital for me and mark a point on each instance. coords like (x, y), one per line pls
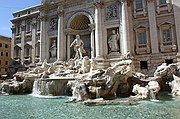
(129, 2)
(60, 11)
(98, 3)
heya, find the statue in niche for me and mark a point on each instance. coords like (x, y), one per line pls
(53, 49)
(113, 42)
(78, 47)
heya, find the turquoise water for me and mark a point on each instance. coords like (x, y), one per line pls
(28, 107)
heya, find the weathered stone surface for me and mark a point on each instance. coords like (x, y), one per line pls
(15, 87)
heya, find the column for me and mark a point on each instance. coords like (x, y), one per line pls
(153, 26)
(23, 31)
(68, 46)
(98, 30)
(92, 28)
(60, 42)
(42, 39)
(176, 8)
(33, 53)
(125, 36)
(12, 41)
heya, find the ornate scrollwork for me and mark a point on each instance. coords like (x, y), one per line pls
(53, 23)
(112, 11)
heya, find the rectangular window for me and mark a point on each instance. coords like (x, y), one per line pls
(139, 4)
(1, 45)
(7, 54)
(6, 45)
(0, 62)
(161, 2)
(27, 52)
(38, 25)
(167, 37)
(142, 38)
(28, 26)
(143, 65)
(1, 53)
(6, 62)
(169, 61)
(18, 28)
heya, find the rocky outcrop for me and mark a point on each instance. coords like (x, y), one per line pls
(16, 87)
(79, 91)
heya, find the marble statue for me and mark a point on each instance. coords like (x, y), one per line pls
(78, 47)
(141, 92)
(53, 49)
(150, 90)
(85, 67)
(175, 86)
(113, 42)
(153, 88)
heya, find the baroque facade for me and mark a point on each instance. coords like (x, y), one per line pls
(5, 54)
(148, 29)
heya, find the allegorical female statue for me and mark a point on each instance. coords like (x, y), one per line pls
(113, 42)
(53, 49)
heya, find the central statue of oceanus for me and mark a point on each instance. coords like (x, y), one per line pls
(78, 47)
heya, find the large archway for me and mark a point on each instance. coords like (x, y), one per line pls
(79, 24)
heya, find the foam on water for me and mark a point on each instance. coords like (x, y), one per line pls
(47, 96)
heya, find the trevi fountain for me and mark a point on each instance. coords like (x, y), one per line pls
(77, 89)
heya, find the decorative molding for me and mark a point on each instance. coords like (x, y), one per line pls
(112, 11)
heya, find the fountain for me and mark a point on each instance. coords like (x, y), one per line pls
(81, 78)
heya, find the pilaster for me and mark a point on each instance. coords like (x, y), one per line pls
(125, 35)
(23, 29)
(33, 53)
(176, 8)
(12, 41)
(153, 26)
(43, 47)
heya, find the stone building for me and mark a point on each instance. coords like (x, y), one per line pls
(5, 54)
(148, 29)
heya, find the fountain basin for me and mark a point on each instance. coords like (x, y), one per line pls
(51, 86)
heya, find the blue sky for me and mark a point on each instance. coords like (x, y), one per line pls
(7, 7)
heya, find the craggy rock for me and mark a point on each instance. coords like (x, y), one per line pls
(79, 91)
(166, 71)
(15, 87)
